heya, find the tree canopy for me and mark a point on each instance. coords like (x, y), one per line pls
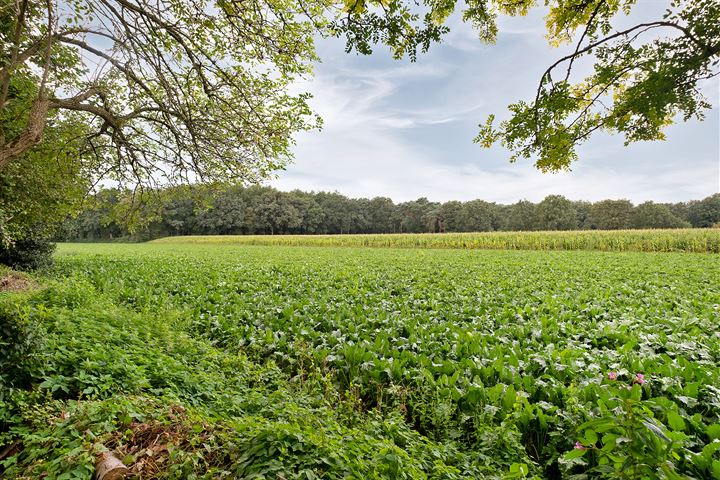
(168, 91)
(44, 185)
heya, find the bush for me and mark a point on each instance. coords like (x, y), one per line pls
(30, 253)
(21, 345)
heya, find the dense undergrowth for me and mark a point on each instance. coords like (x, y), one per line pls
(253, 362)
(674, 240)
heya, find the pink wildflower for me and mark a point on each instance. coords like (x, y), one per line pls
(612, 375)
(579, 446)
(639, 378)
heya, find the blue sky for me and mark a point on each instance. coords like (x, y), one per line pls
(404, 130)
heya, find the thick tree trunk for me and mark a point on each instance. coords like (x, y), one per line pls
(28, 138)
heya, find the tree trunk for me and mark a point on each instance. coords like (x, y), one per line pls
(28, 138)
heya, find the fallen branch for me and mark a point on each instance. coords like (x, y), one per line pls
(10, 450)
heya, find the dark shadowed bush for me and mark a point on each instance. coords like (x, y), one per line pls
(30, 253)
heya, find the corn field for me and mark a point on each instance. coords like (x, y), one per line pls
(677, 240)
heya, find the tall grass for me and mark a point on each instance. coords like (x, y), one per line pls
(678, 240)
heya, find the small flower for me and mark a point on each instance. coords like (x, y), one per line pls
(639, 378)
(612, 375)
(579, 446)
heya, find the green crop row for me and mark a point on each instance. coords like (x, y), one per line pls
(373, 363)
(679, 240)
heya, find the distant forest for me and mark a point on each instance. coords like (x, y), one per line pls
(265, 210)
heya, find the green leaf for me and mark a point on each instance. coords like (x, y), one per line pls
(675, 421)
(509, 398)
(590, 437)
(656, 430)
(575, 453)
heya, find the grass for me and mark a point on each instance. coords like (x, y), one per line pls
(195, 361)
(679, 240)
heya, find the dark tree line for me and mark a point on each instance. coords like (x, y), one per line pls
(265, 210)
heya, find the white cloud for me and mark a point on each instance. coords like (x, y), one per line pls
(404, 175)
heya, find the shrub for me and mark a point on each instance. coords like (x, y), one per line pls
(21, 343)
(30, 253)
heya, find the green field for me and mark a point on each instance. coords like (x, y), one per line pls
(677, 240)
(209, 361)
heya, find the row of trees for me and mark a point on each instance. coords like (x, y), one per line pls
(265, 210)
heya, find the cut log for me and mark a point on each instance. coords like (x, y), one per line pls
(109, 467)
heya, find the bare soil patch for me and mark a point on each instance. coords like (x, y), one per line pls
(145, 447)
(16, 282)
